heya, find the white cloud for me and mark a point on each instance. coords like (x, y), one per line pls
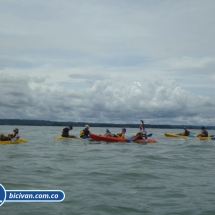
(105, 101)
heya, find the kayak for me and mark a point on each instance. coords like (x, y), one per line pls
(148, 140)
(118, 139)
(180, 136)
(204, 138)
(106, 138)
(20, 140)
(63, 138)
(174, 135)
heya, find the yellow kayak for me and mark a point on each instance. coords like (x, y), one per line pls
(174, 135)
(204, 138)
(180, 136)
(63, 138)
(20, 140)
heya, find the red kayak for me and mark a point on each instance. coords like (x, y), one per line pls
(119, 139)
(106, 138)
(148, 140)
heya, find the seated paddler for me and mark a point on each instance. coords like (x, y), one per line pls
(85, 132)
(65, 132)
(12, 136)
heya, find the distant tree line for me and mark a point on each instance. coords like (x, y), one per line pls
(82, 124)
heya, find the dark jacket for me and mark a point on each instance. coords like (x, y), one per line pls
(65, 132)
(86, 132)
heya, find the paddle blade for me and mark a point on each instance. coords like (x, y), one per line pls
(129, 139)
(149, 135)
(190, 136)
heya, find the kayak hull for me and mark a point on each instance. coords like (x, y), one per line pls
(180, 136)
(106, 138)
(63, 138)
(204, 138)
(119, 139)
(148, 140)
(20, 140)
(174, 135)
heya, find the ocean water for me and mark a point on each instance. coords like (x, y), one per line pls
(173, 176)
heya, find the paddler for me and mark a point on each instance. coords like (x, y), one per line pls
(85, 132)
(65, 132)
(203, 133)
(186, 132)
(13, 136)
(142, 134)
(119, 134)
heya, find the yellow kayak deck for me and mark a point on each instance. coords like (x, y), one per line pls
(180, 136)
(63, 138)
(20, 140)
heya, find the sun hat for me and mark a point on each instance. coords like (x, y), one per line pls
(87, 126)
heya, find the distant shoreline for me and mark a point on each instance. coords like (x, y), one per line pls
(26, 122)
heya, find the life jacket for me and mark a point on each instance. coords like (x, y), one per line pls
(11, 135)
(139, 134)
(205, 133)
(81, 133)
(63, 134)
(119, 134)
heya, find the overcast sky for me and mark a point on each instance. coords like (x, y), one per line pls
(108, 61)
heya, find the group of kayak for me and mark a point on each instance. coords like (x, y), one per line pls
(141, 135)
(203, 135)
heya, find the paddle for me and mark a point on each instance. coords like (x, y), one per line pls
(191, 136)
(128, 139)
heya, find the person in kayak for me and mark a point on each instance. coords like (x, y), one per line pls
(203, 133)
(13, 136)
(186, 132)
(142, 134)
(119, 134)
(85, 132)
(65, 132)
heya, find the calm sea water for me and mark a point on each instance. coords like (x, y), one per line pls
(173, 176)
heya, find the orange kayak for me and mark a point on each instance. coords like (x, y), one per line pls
(106, 138)
(119, 139)
(148, 140)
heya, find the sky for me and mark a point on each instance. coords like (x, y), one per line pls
(108, 61)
